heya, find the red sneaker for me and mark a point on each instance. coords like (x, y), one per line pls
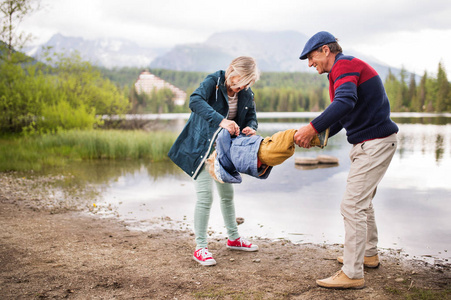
(241, 244)
(204, 257)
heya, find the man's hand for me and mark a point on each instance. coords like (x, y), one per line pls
(248, 131)
(304, 135)
(231, 127)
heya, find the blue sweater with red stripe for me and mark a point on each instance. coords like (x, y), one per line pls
(359, 102)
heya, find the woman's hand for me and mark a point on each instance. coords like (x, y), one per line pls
(248, 131)
(231, 126)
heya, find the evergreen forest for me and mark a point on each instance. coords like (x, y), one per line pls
(295, 92)
(66, 93)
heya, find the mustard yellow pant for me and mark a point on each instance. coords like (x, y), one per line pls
(277, 148)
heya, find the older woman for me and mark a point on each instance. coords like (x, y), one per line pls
(223, 100)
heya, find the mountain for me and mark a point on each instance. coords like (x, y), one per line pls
(199, 57)
(101, 52)
(274, 51)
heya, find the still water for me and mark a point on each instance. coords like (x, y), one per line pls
(413, 201)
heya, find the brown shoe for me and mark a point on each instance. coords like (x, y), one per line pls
(340, 281)
(368, 261)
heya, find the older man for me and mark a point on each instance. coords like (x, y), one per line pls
(359, 104)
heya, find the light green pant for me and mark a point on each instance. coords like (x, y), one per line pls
(204, 191)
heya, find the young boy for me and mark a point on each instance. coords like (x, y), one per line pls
(253, 155)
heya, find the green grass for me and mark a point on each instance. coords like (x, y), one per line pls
(38, 152)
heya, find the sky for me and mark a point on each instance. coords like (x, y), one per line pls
(412, 34)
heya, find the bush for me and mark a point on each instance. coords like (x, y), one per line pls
(37, 98)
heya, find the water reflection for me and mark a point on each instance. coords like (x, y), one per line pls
(439, 148)
(104, 172)
(412, 205)
(427, 139)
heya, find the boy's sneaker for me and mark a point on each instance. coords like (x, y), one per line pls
(204, 257)
(241, 244)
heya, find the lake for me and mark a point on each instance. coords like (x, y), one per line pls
(412, 205)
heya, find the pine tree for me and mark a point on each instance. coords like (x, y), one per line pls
(412, 94)
(431, 95)
(403, 89)
(421, 94)
(394, 91)
(443, 102)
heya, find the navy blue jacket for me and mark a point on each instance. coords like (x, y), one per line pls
(209, 105)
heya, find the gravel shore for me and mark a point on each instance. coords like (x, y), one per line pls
(51, 247)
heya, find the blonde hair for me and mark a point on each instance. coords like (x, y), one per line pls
(246, 68)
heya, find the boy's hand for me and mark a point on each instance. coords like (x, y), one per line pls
(248, 131)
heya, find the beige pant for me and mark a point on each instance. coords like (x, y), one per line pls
(369, 162)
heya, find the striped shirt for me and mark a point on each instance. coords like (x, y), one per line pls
(233, 107)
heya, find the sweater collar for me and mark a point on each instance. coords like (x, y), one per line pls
(337, 57)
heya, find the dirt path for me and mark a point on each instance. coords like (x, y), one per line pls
(72, 255)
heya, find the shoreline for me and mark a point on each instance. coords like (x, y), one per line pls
(56, 251)
(166, 223)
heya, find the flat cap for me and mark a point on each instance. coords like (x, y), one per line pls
(319, 39)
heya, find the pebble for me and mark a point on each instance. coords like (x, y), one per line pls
(400, 279)
(239, 220)
(257, 260)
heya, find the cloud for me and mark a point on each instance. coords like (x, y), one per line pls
(157, 23)
(163, 20)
